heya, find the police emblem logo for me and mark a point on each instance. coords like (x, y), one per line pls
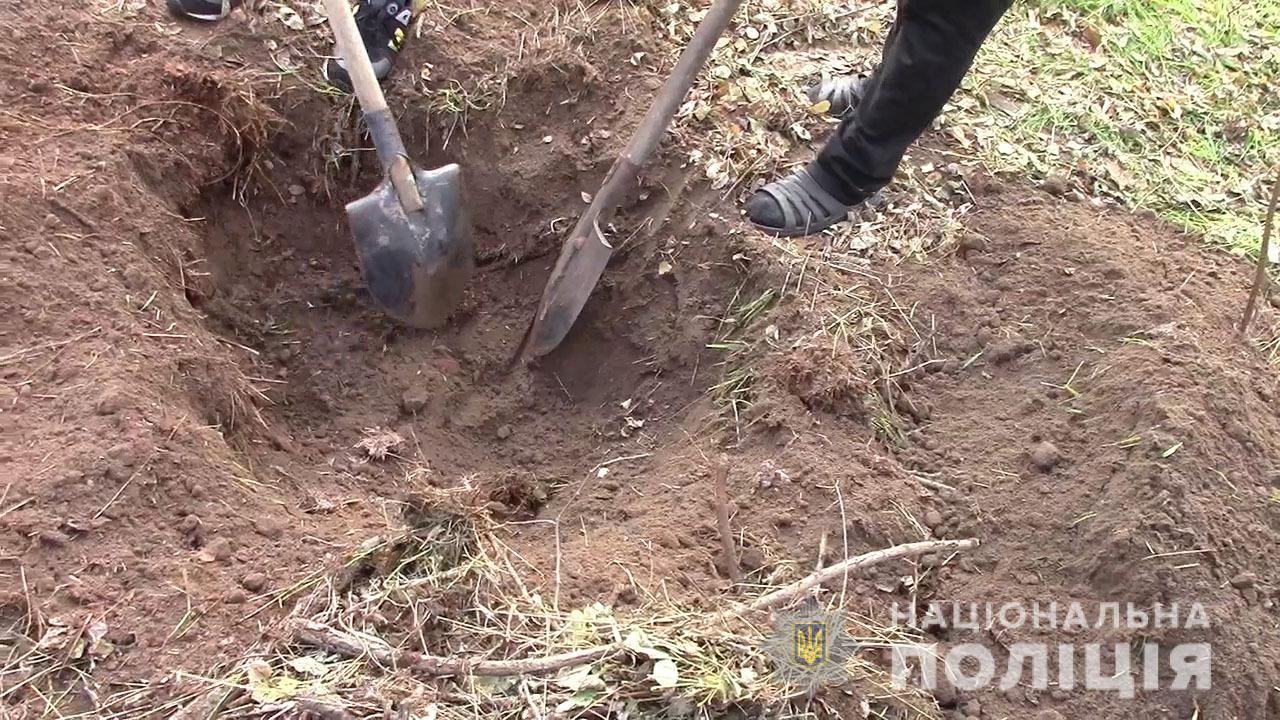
(811, 643)
(810, 647)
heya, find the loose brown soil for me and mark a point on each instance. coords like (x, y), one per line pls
(189, 363)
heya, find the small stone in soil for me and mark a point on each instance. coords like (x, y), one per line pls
(667, 539)
(218, 549)
(972, 243)
(1045, 456)
(254, 582)
(504, 432)
(933, 518)
(110, 403)
(53, 538)
(189, 524)
(268, 527)
(1244, 580)
(414, 400)
(1055, 184)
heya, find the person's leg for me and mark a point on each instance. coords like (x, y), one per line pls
(931, 46)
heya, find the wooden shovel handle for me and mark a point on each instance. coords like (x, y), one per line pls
(373, 103)
(622, 176)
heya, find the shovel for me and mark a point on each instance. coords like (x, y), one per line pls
(586, 253)
(411, 232)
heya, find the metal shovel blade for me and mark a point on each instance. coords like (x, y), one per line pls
(416, 264)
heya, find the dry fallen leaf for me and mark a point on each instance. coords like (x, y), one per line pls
(1092, 35)
(378, 443)
(258, 670)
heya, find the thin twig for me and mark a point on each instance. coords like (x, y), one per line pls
(351, 645)
(720, 500)
(1260, 274)
(800, 587)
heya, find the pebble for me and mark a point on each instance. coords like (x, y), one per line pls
(109, 403)
(54, 538)
(627, 595)
(972, 243)
(414, 400)
(234, 597)
(254, 582)
(268, 527)
(219, 549)
(667, 539)
(944, 691)
(1055, 184)
(1244, 580)
(189, 524)
(504, 432)
(296, 189)
(933, 518)
(1045, 456)
(751, 559)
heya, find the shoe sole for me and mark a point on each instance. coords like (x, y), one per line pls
(343, 86)
(798, 232)
(176, 9)
(874, 200)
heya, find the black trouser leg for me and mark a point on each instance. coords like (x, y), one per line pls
(929, 49)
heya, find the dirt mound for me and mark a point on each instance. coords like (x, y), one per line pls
(203, 415)
(1112, 438)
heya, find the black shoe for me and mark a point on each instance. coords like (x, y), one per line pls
(202, 10)
(843, 94)
(384, 26)
(796, 206)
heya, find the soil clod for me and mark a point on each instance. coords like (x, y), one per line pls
(1244, 580)
(218, 549)
(254, 582)
(414, 400)
(1045, 456)
(1056, 184)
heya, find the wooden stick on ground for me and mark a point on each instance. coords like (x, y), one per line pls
(1264, 252)
(720, 501)
(350, 645)
(800, 587)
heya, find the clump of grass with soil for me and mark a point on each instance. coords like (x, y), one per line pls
(427, 619)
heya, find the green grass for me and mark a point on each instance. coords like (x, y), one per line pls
(1167, 105)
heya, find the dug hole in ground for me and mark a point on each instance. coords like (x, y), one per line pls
(219, 462)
